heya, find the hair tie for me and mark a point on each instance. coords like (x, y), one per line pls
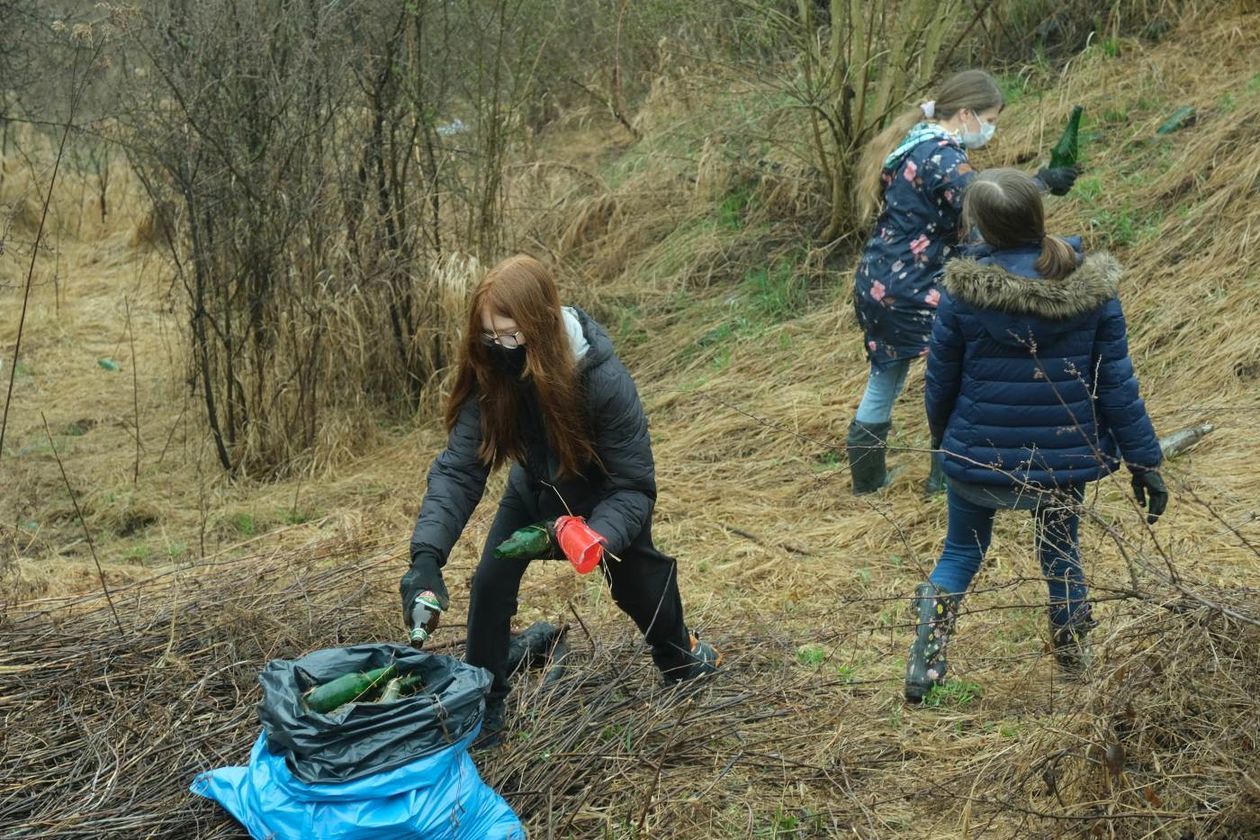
(928, 108)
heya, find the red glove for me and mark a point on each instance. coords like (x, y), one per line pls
(583, 547)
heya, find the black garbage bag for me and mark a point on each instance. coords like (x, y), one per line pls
(536, 645)
(364, 738)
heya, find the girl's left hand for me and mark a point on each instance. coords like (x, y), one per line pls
(582, 545)
(1151, 493)
(1058, 180)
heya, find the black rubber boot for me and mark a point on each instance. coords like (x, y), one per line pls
(491, 734)
(935, 484)
(934, 613)
(867, 448)
(1071, 649)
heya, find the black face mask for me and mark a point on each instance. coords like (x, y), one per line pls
(510, 361)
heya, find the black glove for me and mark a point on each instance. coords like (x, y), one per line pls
(1148, 486)
(1058, 180)
(425, 574)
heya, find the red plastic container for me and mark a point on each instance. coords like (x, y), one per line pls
(583, 547)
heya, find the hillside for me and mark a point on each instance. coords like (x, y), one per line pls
(748, 359)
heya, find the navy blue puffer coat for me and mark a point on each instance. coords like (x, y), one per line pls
(1029, 380)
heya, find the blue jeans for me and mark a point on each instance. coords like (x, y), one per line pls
(883, 385)
(1058, 550)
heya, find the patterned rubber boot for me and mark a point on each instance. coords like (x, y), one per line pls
(867, 448)
(935, 613)
(1071, 647)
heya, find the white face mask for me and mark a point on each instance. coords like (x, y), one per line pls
(976, 139)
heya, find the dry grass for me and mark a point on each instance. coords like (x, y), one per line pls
(749, 382)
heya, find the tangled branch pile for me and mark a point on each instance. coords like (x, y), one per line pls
(112, 727)
(1159, 741)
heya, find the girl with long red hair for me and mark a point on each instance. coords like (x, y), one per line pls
(539, 386)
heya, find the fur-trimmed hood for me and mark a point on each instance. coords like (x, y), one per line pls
(986, 285)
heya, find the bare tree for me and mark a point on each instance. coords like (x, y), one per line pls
(856, 70)
(326, 159)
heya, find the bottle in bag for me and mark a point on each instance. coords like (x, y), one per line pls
(425, 614)
(1065, 152)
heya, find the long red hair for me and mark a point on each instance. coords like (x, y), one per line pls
(523, 289)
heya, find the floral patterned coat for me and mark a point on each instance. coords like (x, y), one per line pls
(918, 229)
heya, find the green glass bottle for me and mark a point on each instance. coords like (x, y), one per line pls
(425, 614)
(1064, 153)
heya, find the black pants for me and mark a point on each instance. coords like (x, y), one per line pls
(644, 584)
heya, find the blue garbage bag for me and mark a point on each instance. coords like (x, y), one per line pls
(368, 771)
(438, 796)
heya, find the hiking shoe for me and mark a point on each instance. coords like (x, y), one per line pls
(935, 613)
(703, 660)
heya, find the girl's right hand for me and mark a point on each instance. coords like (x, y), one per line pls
(425, 575)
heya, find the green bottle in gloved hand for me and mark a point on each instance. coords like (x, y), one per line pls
(568, 536)
(533, 542)
(424, 595)
(1060, 174)
(425, 614)
(1068, 149)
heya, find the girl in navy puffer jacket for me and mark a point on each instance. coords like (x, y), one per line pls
(1030, 393)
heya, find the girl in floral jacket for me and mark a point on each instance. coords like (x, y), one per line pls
(916, 171)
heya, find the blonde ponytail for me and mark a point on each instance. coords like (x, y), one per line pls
(870, 192)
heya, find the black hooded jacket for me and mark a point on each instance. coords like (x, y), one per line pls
(616, 495)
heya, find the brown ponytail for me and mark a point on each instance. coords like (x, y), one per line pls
(870, 191)
(1057, 260)
(974, 90)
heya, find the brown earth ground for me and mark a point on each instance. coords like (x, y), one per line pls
(749, 386)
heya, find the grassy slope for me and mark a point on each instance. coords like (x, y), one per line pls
(749, 364)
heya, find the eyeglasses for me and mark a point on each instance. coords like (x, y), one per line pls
(509, 340)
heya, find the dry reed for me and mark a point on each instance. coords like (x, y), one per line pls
(802, 586)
